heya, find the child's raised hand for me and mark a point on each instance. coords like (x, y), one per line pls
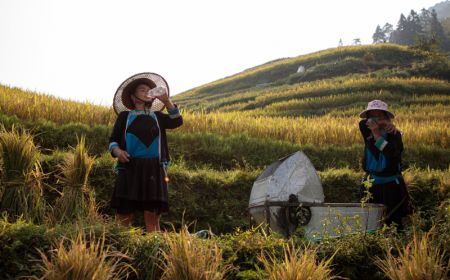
(372, 125)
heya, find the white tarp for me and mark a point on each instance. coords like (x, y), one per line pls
(292, 175)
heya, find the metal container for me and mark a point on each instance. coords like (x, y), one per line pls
(289, 194)
(336, 219)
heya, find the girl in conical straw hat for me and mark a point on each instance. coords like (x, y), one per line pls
(139, 143)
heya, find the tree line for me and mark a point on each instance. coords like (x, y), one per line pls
(414, 29)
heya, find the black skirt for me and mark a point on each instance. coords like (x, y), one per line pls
(140, 186)
(395, 197)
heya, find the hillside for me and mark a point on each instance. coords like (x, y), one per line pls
(229, 121)
(333, 76)
(233, 128)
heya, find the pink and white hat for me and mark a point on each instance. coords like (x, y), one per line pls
(376, 105)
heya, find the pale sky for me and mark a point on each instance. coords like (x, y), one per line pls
(82, 50)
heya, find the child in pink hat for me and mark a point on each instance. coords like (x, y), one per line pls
(383, 161)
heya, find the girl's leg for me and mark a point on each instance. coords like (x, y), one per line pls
(151, 221)
(124, 219)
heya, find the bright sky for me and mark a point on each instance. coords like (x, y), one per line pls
(82, 50)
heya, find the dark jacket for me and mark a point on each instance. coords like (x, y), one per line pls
(390, 154)
(165, 122)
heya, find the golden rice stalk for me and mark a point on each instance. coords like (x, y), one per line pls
(84, 260)
(419, 259)
(189, 258)
(77, 201)
(21, 175)
(296, 265)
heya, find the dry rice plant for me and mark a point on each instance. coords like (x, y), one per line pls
(21, 175)
(423, 118)
(77, 201)
(84, 260)
(322, 130)
(297, 265)
(189, 258)
(33, 106)
(420, 259)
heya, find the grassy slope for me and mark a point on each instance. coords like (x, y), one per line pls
(218, 150)
(278, 70)
(262, 118)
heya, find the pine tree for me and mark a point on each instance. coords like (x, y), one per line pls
(437, 30)
(425, 19)
(446, 25)
(424, 29)
(387, 30)
(398, 36)
(409, 30)
(414, 30)
(379, 36)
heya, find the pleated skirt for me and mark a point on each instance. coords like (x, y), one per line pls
(140, 186)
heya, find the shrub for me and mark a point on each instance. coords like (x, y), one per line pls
(353, 254)
(145, 252)
(242, 248)
(18, 243)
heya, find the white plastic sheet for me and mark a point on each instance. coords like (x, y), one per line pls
(292, 175)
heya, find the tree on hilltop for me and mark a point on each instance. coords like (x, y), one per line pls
(422, 30)
(382, 35)
(379, 36)
(388, 29)
(414, 29)
(437, 30)
(399, 34)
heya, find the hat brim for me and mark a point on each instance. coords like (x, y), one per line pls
(363, 114)
(122, 97)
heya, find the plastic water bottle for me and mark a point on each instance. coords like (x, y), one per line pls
(157, 91)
